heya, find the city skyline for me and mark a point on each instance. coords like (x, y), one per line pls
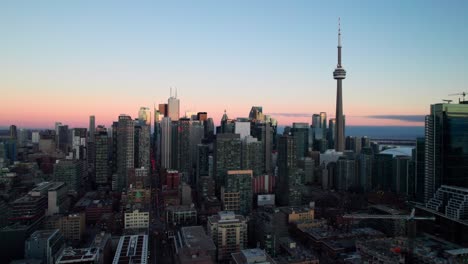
(106, 60)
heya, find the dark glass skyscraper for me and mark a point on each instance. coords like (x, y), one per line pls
(101, 157)
(446, 148)
(125, 150)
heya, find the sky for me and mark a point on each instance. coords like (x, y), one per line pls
(66, 60)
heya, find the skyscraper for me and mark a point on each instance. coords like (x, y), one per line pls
(289, 180)
(125, 150)
(183, 153)
(144, 116)
(13, 132)
(252, 155)
(339, 74)
(142, 145)
(92, 127)
(446, 148)
(227, 156)
(173, 108)
(166, 143)
(237, 195)
(101, 157)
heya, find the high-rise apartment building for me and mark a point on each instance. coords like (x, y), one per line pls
(227, 156)
(446, 149)
(252, 155)
(142, 145)
(229, 233)
(237, 194)
(289, 180)
(101, 164)
(346, 173)
(366, 169)
(125, 150)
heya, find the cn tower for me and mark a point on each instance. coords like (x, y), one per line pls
(339, 74)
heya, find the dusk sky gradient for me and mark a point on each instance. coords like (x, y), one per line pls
(66, 60)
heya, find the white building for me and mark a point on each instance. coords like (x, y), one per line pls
(136, 218)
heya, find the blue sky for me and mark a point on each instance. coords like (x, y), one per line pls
(72, 59)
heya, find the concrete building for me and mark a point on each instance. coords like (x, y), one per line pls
(181, 215)
(80, 256)
(450, 201)
(57, 198)
(426, 249)
(45, 245)
(229, 233)
(194, 246)
(71, 226)
(242, 128)
(136, 216)
(28, 208)
(252, 256)
(132, 249)
(291, 252)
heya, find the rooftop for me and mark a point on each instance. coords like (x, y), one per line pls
(43, 234)
(194, 237)
(77, 255)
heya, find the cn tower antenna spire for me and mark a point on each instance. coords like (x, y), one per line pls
(339, 32)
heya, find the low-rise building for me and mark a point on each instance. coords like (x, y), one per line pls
(136, 216)
(252, 256)
(72, 226)
(132, 249)
(79, 255)
(45, 245)
(182, 215)
(195, 246)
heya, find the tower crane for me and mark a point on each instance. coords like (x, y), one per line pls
(463, 94)
(411, 222)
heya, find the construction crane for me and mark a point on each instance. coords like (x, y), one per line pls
(447, 101)
(463, 94)
(410, 220)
